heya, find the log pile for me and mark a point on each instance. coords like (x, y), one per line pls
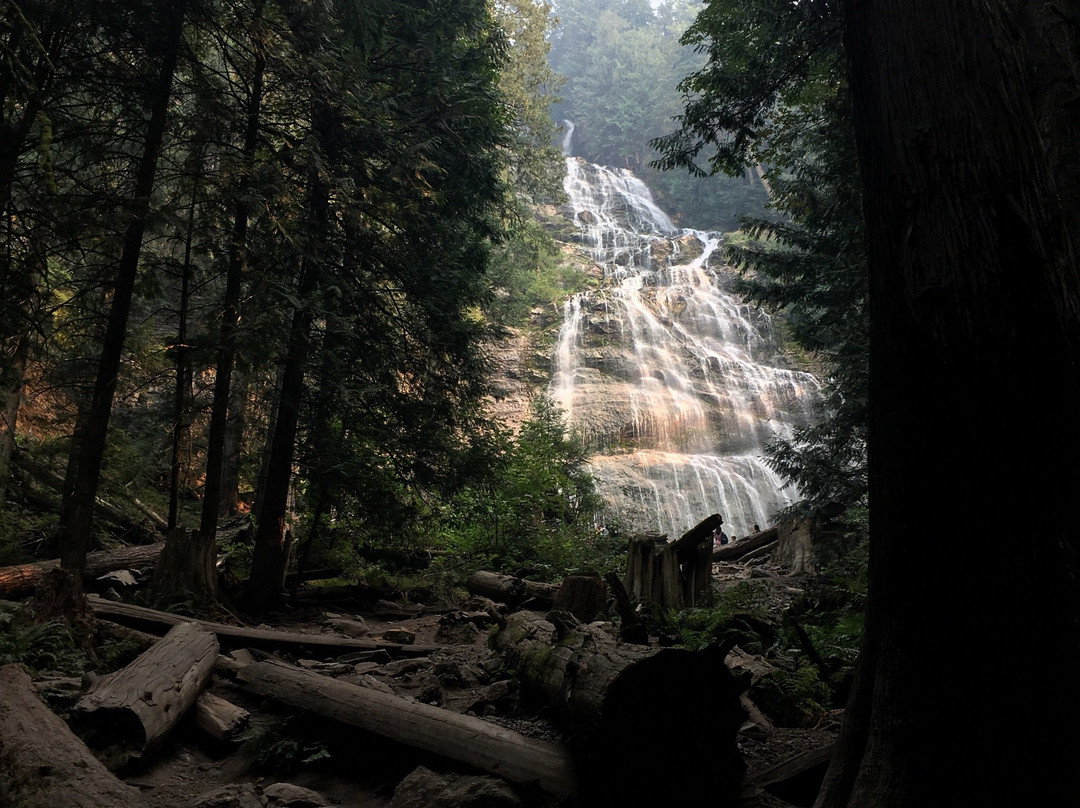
(626, 704)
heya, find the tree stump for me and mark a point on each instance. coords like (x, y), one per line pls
(129, 712)
(582, 595)
(676, 575)
(629, 709)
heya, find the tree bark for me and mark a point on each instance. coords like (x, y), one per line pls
(610, 696)
(22, 579)
(974, 295)
(42, 763)
(128, 713)
(186, 570)
(463, 738)
(78, 504)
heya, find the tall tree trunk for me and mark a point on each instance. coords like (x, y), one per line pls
(230, 319)
(228, 502)
(269, 557)
(975, 293)
(182, 391)
(78, 506)
(11, 382)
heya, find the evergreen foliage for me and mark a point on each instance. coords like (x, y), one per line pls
(773, 93)
(623, 62)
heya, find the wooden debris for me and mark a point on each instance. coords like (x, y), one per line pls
(797, 779)
(616, 696)
(744, 546)
(463, 738)
(129, 712)
(510, 590)
(675, 575)
(582, 595)
(22, 579)
(219, 718)
(633, 628)
(43, 764)
(253, 637)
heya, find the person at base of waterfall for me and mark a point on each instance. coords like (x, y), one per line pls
(719, 538)
(756, 528)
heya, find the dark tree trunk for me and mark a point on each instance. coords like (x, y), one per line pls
(975, 320)
(230, 315)
(78, 506)
(270, 555)
(229, 501)
(11, 382)
(182, 389)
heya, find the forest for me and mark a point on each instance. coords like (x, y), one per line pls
(262, 271)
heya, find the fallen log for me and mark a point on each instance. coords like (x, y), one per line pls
(128, 713)
(140, 616)
(510, 590)
(615, 696)
(730, 552)
(463, 738)
(43, 764)
(219, 718)
(22, 579)
(797, 779)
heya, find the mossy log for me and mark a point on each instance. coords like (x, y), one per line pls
(625, 704)
(43, 764)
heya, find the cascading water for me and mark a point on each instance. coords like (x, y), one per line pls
(674, 382)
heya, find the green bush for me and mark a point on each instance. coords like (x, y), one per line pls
(40, 646)
(792, 698)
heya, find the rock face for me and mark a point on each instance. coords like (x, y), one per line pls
(674, 382)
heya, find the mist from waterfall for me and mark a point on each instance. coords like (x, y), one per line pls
(673, 382)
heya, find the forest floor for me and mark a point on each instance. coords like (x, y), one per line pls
(349, 769)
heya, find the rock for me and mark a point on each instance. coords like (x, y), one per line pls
(237, 795)
(400, 636)
(495, 695)
(379, 657)
(367, 680)
(425, 789)
(289, 796)
(350, 627)
(403, 666)
(458, 628)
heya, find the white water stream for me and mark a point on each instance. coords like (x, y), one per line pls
(672, 381)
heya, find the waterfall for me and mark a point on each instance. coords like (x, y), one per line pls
(673, 382)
